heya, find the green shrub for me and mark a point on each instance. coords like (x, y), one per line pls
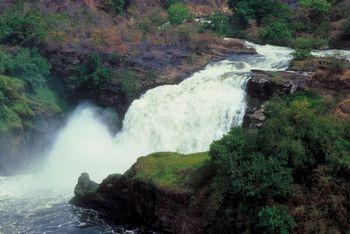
(337, 64)
(27, 65)
(158, 18)
(256, 10)
(171, 2)
(248, 173)
(92, 75)
(21, 26)
(317, 7)
(220, 24)
(113, 6)
(256, 167)
(19, 108)
(310, 43)
(277, 32)
(300, 131)
(178, 13)
(342, 9)
(301, 54)
(129, 83)
(9, 120)
(261, 177)
(275, 220)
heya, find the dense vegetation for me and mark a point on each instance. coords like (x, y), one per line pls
(111, 50)
(113, 6)
(257, 170)
(273, 22)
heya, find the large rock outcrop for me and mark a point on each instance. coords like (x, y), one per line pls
(156, 193)
(264, 85)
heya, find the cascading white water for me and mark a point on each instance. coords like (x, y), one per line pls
(185, 118)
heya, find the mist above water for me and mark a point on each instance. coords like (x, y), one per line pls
(183, 118)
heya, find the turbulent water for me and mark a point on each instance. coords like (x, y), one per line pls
(184, 118)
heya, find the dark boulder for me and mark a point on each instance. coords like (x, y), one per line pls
(264, 85)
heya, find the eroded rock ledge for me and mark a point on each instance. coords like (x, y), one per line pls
(264, 85)
(156, 193)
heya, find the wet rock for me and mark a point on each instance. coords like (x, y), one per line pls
(264, 85)
(85, 185)
(130, 200)
(343, 109)
(254, 118)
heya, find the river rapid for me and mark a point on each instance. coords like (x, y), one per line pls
(183, 118)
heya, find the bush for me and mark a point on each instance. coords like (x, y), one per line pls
(9, 120)
(317, 7)
(92, 75)
(277, 32)
(256, 10)
(171, 2)
(113, 6)
(21, 26)
(254, 168)
(26, 64)
(275, 220)
(307, 43)
(248, 173)
(300, 131)
(178, 13)
(129, 84)
(301, 54)
(337, 64)
(220, 24)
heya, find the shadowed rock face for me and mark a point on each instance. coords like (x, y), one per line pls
(131, 202)
(161, 192)
(264, 85)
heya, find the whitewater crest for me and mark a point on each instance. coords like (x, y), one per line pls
(184, 118)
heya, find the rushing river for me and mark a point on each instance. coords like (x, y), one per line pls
(184, 118)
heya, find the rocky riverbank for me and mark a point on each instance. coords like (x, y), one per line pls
(93, 54)
(162, 191)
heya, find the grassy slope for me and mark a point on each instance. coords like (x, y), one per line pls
(169, 171)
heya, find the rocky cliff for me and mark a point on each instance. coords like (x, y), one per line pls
(156, 193)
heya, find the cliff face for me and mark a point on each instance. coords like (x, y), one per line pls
(153, 65)
(265, 85)
(149, 195)
(313, 74)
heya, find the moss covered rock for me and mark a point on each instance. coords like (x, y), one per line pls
(169, 171)
(156, 192)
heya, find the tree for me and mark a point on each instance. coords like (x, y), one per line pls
(220, 24)
(316, 7)
(178, 13)
(25, 64)
(275, 220)
(277, 32)
(113, 6)
(256, 10)
(21, 26)
(316, 11)
(92, 75)
(247, 172)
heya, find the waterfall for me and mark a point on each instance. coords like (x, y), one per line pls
(184, 118)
